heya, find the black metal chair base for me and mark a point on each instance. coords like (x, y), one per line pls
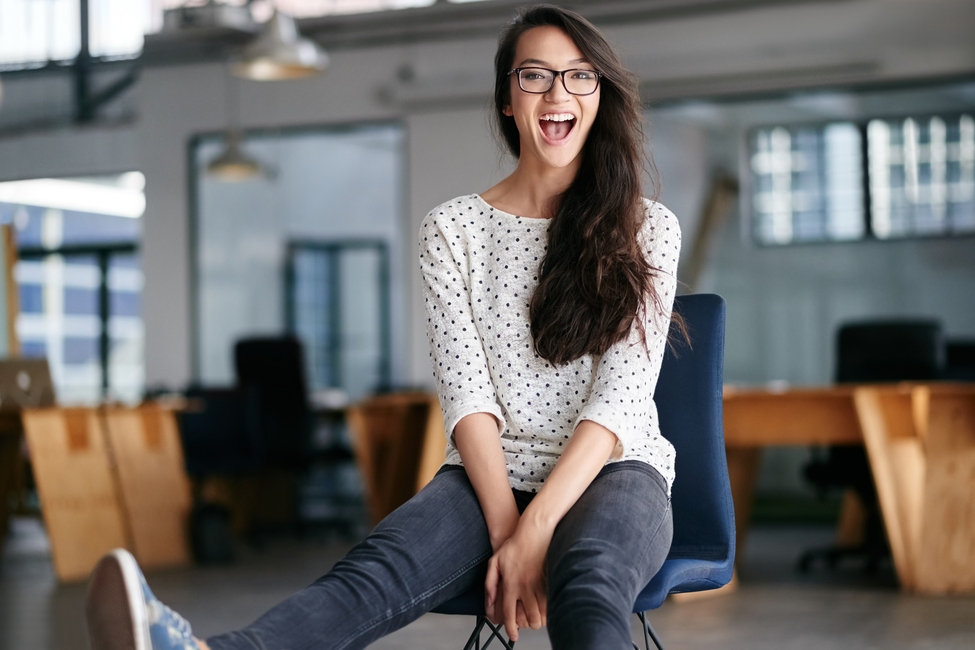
(648, 633)
(474, 643)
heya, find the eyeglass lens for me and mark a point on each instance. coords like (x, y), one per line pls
(540, 80)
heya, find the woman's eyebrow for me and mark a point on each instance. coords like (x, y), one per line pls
(539, 62)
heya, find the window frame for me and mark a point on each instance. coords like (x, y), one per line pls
(103, 253)
(334, 248)
(746, 200)
(193, 171)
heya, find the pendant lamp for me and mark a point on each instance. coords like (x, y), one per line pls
(233, 165)
(280, 53)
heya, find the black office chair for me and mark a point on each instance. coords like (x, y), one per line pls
(960, 360)
(871, 352)
(274, 367)
(220, 438)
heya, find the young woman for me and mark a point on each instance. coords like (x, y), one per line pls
(549, 301)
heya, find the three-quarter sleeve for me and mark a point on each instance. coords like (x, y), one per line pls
(457, 354)
(621, 398)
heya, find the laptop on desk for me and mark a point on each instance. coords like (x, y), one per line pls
(25, 383)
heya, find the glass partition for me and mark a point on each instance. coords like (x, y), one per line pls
(311, 245)
(338, 305)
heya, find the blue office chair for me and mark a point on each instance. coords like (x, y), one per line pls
(689, 401)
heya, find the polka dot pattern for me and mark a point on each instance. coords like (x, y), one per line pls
(479, 268)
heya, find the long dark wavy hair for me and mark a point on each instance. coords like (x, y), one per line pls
(594, 280)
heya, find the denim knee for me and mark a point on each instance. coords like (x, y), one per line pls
(591, 568)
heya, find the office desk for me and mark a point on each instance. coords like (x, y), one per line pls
(920, 439)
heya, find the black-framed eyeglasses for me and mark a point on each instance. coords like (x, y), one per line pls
(538, 81)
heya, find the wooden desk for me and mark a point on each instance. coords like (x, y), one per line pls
(399, 443)
(920, 439)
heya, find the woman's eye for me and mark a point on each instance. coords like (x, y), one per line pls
(533, 76)
(582, 75)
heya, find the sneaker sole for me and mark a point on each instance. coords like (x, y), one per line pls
(115, 607)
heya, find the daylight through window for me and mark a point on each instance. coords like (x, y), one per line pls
(807, 183)
(922, 176)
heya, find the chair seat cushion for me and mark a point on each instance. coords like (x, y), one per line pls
(469, 603)
(682, 576)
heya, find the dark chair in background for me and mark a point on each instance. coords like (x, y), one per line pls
(872, 352)
(248, 448)
(689, 405)
(220, 439)
(960, 360)
(265, 421)
(890, 350)
(274, 367)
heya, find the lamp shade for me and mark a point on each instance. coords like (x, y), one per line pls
(233, 166)
(280, 53)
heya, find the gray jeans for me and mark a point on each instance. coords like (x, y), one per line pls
(436, 546)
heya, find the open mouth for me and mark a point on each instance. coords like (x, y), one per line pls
(556, 127)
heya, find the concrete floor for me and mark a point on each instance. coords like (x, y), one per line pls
(774, 607)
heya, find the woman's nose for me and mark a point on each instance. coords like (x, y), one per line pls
(558, 92)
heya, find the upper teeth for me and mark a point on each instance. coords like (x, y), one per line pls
(562, 117)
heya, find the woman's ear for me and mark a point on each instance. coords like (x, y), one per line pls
(507, 110)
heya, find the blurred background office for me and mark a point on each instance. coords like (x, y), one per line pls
(168, 200)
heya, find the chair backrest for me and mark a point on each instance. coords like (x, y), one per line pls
(689, 406)
(889, 350)
(275, 367)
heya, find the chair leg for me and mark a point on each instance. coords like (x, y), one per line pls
(474, 643)
(649, 633)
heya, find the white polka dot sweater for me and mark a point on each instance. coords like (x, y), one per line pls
(480, 267)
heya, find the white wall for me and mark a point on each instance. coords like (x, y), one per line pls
(450, 154)
(450, 148)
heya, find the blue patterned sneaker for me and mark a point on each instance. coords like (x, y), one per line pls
(124, 615)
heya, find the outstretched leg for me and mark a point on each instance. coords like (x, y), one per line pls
(604, 551)
(429, 550)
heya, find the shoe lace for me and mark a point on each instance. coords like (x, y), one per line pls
(180, 623)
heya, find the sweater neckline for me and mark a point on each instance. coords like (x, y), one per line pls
(495, 210)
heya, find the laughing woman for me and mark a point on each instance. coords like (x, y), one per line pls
(548, 300)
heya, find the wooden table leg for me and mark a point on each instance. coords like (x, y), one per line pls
(743, 464)
(897, 464)
(921, 443)
(946, 561)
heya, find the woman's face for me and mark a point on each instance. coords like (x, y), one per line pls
(553, 126)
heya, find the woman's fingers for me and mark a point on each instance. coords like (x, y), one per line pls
(510, 617)
(491, 583)
(521, 616)
(533, 617)
(492, 607)
(498, 609)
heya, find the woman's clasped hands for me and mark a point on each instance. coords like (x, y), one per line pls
(515, 585)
